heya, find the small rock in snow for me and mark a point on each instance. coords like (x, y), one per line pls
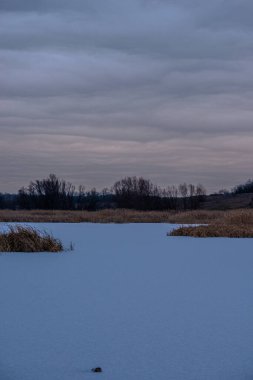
(97, 369)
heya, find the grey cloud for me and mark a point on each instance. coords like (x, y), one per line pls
(108, 88)
(44, 5)
(127, 30)
(229, 14)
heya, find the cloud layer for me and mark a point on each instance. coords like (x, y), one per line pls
(95, 90)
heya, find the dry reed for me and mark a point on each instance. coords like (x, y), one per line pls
(28, 239)
(231, 223)
(216, 230)
(235, 223)
(221, 223)
(128, 216)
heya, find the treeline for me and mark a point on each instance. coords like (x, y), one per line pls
(246, 187)
(137, 193)
(53, 193)
(142, 194)
(8, 201)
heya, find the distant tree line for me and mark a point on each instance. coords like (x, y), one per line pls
(142, 194)
(138, 193)
(8, 201)
(246, 187)
(53, 193)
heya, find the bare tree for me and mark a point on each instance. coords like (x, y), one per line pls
(134, 192)
(183, 190)
(172, 193)
(50, 193)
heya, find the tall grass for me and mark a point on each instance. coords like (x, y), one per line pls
(216, 230)
(128, 216)
(236, 223)
(28, 239)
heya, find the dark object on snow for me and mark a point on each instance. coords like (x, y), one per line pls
(97, 369)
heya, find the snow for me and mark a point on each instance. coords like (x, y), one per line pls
(131, 300)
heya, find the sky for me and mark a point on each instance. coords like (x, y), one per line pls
(96, 90)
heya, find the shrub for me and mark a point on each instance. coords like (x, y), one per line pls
(28, 239)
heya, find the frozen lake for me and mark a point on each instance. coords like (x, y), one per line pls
(141, 305)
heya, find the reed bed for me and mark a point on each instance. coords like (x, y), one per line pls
(243, 216)
(28, 239)
(231, 223)
(216, 230)
(234, 224)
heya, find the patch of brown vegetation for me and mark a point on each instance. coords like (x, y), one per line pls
(239, 217)
(218, 230)
(244, 216)
(235, 224)
(28, 239)
(109, 216)
(232, 223)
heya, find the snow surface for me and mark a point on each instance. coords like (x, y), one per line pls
(129, 299)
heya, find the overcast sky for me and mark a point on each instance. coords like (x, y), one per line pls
(94, 90)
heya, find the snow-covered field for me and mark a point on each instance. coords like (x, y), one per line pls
(141, 305)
